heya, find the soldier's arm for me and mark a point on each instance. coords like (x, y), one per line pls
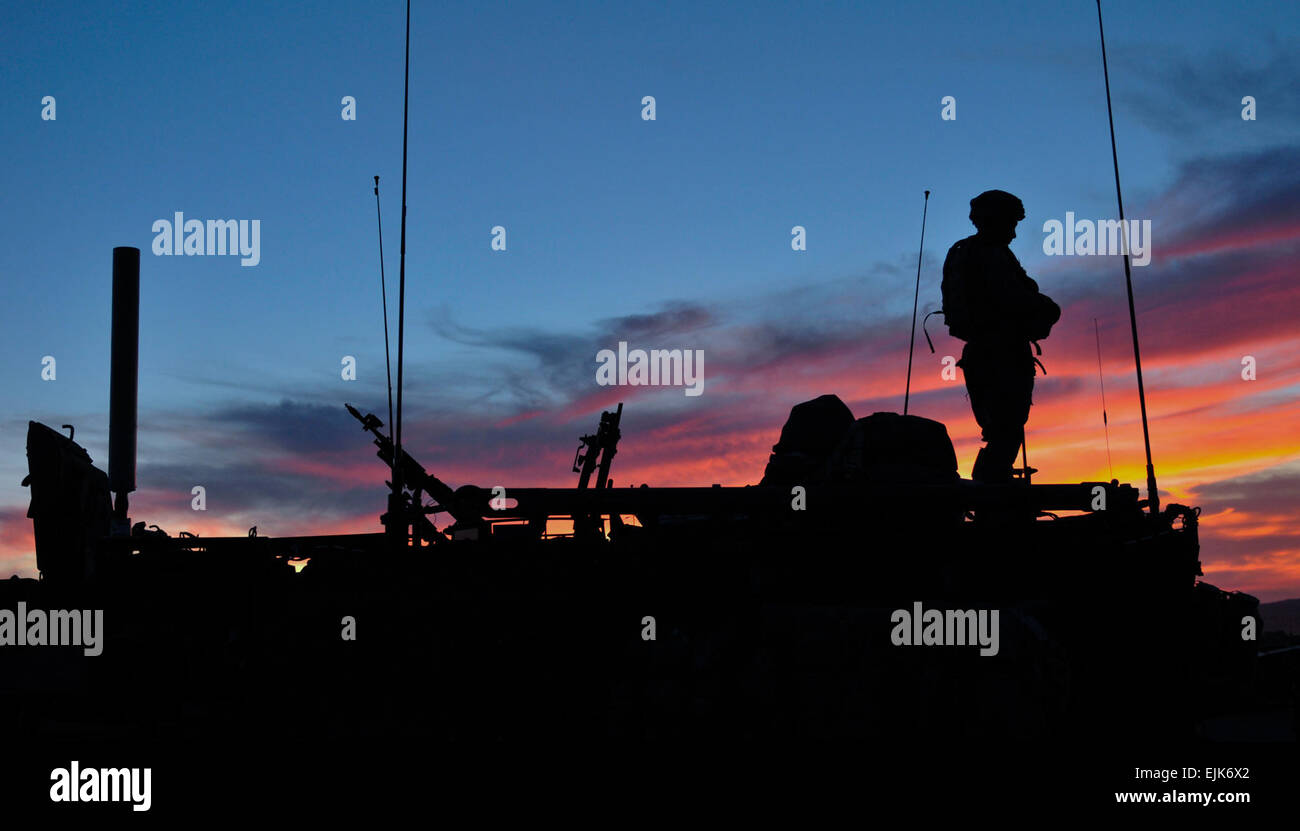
(1021, 282)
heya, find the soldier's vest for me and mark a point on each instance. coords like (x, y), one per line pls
(1031, 319)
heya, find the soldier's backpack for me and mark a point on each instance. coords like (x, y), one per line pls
(955, 313)
(808, 437)
(888, 447)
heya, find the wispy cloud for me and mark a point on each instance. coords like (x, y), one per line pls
(1196, 97)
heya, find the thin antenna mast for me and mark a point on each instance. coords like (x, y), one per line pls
(383, 291)
(1153, 493)
(397, 519)
(1104, 421)
(911, 344)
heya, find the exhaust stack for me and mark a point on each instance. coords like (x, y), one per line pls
(123, 383)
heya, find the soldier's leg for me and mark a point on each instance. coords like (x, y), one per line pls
(975, 373)
(1004, 407)
(985, 388)
(1006, 432)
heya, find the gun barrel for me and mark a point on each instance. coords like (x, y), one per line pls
(414, 475)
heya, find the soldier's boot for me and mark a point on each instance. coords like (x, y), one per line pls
(993, 466)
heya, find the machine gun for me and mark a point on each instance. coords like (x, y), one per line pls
(470, 505)
(417, 480)
(601, 448)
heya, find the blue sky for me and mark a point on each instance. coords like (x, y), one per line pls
(527, 115)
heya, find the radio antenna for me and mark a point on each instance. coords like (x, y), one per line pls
(1153, 494)
(383, 292)
(911, 344)
(1105, 423)
(397, 516)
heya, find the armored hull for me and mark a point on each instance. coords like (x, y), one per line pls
(679, 612)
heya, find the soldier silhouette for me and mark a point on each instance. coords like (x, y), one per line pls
(992, 304)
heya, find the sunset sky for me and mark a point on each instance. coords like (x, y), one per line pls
(671, 233)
